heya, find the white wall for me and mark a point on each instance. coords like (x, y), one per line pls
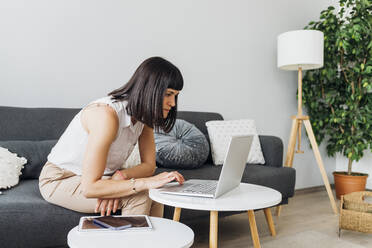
(66, 53)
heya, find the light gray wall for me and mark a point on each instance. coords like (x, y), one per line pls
(67, 53)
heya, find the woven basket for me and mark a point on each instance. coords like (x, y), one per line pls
(355, 214)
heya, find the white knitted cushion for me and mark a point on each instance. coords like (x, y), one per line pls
(220, 133)
(10, 168)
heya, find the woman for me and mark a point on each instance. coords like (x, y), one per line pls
(83, 172)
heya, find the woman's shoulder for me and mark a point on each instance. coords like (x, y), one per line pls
(116, 105)
(120, 108)
(102, 119)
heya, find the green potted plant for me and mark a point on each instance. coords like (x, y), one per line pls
(338, 97)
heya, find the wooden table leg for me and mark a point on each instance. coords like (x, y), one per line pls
(177, 214)
(278, 210)
(270, 222)
(254, 233)
(213, 229)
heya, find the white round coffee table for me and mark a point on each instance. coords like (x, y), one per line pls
(246, 197)
(165, 233)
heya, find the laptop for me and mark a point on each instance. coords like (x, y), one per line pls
(230, 177)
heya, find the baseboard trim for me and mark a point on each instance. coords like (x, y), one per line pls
(315, 189)
(312, 189)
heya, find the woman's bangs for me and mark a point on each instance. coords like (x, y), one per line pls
(176, 81)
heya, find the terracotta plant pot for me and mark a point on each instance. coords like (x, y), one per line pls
(345, 183)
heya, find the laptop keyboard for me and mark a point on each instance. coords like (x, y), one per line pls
(202, 188)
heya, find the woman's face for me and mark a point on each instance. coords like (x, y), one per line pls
(169, 101)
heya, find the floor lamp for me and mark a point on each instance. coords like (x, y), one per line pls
(297, 51)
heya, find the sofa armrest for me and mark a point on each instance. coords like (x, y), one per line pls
(272, 149)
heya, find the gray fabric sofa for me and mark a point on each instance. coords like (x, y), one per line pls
(27, 220)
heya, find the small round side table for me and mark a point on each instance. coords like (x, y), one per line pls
(164, 233)
(246, 197)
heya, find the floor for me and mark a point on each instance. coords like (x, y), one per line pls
(308, 221)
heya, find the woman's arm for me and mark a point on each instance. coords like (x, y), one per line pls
(146, 145)
(102, 123)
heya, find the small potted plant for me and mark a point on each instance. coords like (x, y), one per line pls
(338, 97)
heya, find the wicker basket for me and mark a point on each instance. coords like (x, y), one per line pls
(355, 214)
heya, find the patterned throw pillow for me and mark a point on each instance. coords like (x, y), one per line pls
(184, 147)
(220, 133)
(10, 168)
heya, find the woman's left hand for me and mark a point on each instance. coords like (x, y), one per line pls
(108, 205)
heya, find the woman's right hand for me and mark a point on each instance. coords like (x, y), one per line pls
(108, 205)
(163, 178)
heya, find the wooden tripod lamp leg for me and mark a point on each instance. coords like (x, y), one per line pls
(299, 137)
(290, 150)
(292, 143)
(319, 161)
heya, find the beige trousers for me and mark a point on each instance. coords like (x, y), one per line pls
(63, 188)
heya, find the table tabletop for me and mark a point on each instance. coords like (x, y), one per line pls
(244, 197)
(165, 233)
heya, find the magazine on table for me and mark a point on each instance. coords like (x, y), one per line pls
(114, 223)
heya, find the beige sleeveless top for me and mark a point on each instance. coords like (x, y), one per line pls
(69, 151)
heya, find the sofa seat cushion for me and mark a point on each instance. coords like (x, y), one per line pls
(278, 178)
(31, 221)
(281, 179)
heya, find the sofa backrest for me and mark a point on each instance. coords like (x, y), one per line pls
(34, 123)
(199, 119)
(49, 123)
(32, 132)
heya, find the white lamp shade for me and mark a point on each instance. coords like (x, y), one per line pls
(300, 48)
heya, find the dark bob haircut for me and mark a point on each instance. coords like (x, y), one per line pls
(145, 92)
